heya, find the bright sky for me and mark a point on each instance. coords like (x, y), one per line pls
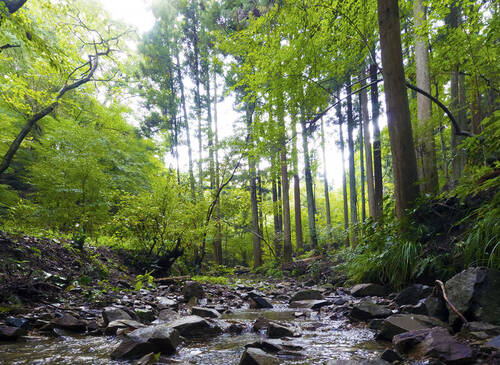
(138, 14)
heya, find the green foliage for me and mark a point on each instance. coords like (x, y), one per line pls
(143, 280)
(204, 279)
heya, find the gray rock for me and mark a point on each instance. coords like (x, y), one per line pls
(17, 322)
(258, 301)
(69, 323)
(195, 326)
(192, 289)
(310, 304)
(145, 314)
(114, 326)
(205, 312)
(419, 308)
(164, 303)
(143, 341)
(475, 292)
(275, 330)
(494, 343)
(412, 294)
(399, 323)
(368, 290)
(365, 310)
(390, 355)
(358, 362)
(308, 294)
(9, 333)
(110, 314)
(255, 356)
(275, 345)
(433, 343)
(436, 307)
(260, 323)
(168, 315)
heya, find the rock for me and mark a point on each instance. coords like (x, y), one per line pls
(433, 343)
(143, 341)
(260, 324)
(368, 290)
(399, 323)
(192, 289)
(275, 345)
(494, 343)
(436, 307)
(168, 315)
(235, 328)
(17, 322)
(69, 323)
(365, 310)
(258, 301)
(205, 312)
(164, 303)
(275, 330)
(419, 308)
(195, 326)
(110, 314)
(149, 359)
(114, 326)
(308, 294)
(9, 333)
(475, 292)
(145, 314)
(255, 356)
(412, 294)
(376, 324)
(390, 355)
(310, 304)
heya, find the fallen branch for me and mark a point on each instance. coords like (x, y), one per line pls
(445, 296)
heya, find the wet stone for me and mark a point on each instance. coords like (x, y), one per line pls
(195, 326)
(275, 330)
(205, 312)
(310, 304)
(110, 314)
(119, 324)
(366, 310)
(192, 289)
(9, 333)
(308, 294)
(69, 323)
(399, 323)
(369, 289)
(255, 356)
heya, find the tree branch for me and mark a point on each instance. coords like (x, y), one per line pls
(13, 5)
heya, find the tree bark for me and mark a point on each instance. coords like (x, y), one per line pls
(362, 165)
(309, 188)
(218, 233)
(296, 191)
(426, 148)
(363, 99)
(287, 234)
(398, 112)
(344, 181)
(353, 196)
(276, 215)
(325, 181)
(378, 192)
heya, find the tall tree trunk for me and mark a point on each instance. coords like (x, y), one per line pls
(276, 214)
(344, 180)
(256, 233)
(218, 234)
(188, 132)
(426, 148)
(377, 151)
(287, 234)
(296, 191)
(325, 181)
(309, 188)
(362, 165)
(398, 111)
(353, 196)
(363, 99)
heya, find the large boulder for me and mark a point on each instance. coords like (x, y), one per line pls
(475, 293)
(433, 343)
(195, 326)
(365, 310)
(255, 356)
(9, 333)
(192, 289)
(110, 314)
(368, 290)
(399, 323)
(413, 294)
(142, 341)
(308, 294)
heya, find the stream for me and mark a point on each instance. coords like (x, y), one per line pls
(322, 339)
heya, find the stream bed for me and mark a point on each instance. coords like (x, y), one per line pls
(322, 338)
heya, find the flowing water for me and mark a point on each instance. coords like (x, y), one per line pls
(323, 339)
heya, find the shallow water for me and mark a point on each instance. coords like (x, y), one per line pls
(334, 339)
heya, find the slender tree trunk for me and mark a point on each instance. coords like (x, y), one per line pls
(344, 180)
(362, 165)
(287, 234)
(276, 216)
(398, 111)
(218, 234)
(428, 175)
(377, 152)
(325, 181)
(256, 233)
(188, 132)
(353, 196)
(296, 191)
(309, 188)
(363, 99)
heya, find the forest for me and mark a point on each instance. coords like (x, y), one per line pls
(239, 150)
